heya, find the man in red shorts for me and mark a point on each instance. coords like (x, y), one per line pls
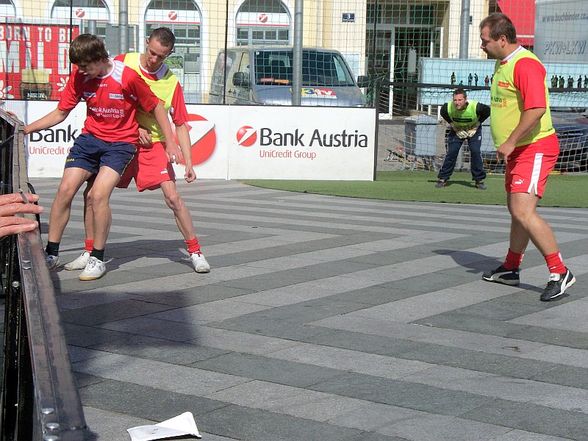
(525, 139)
(151, 168)
(113, 93)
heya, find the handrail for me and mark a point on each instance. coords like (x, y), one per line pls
(40, 400)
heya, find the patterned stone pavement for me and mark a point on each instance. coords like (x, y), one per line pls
(325, 319)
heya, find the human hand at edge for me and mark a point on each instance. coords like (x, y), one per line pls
(12, 204)
(190, 174)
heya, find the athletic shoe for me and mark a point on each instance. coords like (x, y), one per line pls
(504, 276)
(557, 285)
(200, 263)
(79, 263)
(93, 270)
(480, 185)
(441, 183)
(52, 261)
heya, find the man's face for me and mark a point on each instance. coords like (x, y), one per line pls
(459, 101)
(155, 54)
(493, 48)
(93, 69)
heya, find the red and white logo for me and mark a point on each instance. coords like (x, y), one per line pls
(263, 18)
(80, 13)
(246, 136)
(172, 15)
(202, 138)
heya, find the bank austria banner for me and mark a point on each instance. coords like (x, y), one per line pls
(238, 142)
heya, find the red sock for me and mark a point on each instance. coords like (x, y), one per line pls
(555, 263)
(192, 245)
(513, 260)
(89, 245)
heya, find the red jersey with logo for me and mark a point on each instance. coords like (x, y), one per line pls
(111, 102)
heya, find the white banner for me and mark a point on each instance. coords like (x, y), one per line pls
(238, 142)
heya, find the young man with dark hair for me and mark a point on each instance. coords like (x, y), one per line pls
(465, 119)
(106, 146)
(525, 139)
(151, 167)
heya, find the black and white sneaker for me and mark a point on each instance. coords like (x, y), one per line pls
(557, 285)
(502, 275)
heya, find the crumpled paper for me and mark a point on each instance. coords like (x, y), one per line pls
(181, 425)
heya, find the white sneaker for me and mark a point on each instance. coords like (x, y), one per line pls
(200, 263)
(52, 261)
(93, 270)
(79, 263)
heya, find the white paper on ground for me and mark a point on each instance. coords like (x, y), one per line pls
(181, 425)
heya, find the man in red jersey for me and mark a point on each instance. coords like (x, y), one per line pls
(107, 144)
(525, 139)
(151, 167)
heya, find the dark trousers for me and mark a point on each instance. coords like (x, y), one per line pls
(453, 145)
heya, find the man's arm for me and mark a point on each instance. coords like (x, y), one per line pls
(529, 120)
(483, 112)
(51, 119)
(160, 115)
(184, 141)
(445, 113)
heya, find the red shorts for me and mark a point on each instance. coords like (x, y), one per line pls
(150, 167)
(529, 166)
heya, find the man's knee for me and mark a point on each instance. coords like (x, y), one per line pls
(174, 201)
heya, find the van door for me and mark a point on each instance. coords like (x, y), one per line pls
(243, 92)
(223, 75)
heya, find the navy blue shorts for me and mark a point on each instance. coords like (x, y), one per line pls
(91, 153)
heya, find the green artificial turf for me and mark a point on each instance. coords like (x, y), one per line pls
(562, 190)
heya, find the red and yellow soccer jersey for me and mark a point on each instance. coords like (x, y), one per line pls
(529, 79)
(519, 85)
(166, 87)
(111, 102)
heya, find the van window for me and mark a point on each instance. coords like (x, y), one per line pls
(319, 68)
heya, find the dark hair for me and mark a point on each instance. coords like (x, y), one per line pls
(460, 91)
(499, 25)
(165, 36)
(87, 48)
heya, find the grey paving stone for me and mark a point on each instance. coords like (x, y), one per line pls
(268, 369)
(79, 335)
(111, 312)
(488, 326)
(329, 355)
(443, 428)
(193, 296)
(402, 394)
(532, 418)
(158, 349)
(258, 425)
(144, 372)
(149, 403)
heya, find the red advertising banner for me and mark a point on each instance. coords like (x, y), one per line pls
(34, 61)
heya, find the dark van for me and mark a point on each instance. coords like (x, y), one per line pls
(257, 75)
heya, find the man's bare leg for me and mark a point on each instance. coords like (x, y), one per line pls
(184, 222)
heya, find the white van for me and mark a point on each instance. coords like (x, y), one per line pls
(263, 75)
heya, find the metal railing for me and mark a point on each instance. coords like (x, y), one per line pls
(40, 400)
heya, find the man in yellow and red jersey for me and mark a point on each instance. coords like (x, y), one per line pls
(151, 167)
(525, 139)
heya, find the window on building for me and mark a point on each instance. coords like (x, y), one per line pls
(263, 22)
(93, 16)
(7, 8)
